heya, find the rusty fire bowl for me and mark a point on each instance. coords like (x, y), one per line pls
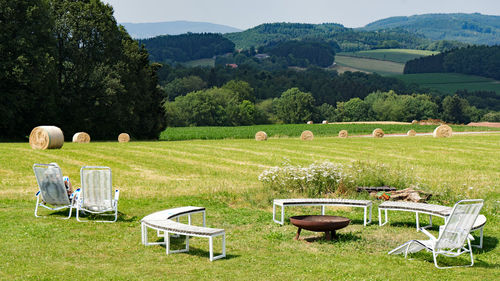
(320, 223)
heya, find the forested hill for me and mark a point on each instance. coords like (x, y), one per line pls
(347, 38)
(152, 29)
(468, 28)
(185, 47)
(479, 60)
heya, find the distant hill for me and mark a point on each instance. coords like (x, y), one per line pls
(468, 28)
(348, 39)
(148, 30)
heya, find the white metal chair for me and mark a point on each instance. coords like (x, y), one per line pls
(452, 236)
(96, 195)
(52, 192)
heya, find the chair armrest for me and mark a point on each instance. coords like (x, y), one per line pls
(424, 231)
(76, 194)
(117, 194)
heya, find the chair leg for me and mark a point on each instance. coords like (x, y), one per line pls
(37, 204)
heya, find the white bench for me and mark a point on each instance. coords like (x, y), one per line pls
(365, 204)
(163, 222)
(429, 209)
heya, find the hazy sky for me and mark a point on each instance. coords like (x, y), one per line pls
(246, 14)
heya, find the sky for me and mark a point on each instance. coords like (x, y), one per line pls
(247, 14)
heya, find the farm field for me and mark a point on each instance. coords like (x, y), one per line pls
(294, 130)
(370, 65)
(222, 175)
(394, 55)
(451, 82)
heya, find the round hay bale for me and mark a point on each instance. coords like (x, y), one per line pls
(443, 131)
(414, 122)
(81, 137)
(378, 133)
(261, 136)
(309, 122)
(46, 137)
(123, 137)
(411, 133)
(324, 122)
(343, 134)
(307, 135)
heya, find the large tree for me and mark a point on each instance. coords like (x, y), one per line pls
(294, 106)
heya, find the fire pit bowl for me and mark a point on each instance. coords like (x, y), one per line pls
(326, 224)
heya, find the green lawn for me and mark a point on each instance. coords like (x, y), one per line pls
(394, 55)
(451, 82)
(222, 175)
(370, 65)
(294, 130)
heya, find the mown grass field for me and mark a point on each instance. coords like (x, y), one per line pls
(394, 55)
(222, 175)
(451, 82)
(381, 67)
(294, 130)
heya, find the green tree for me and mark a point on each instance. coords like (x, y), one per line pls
(182, 86)
(455, 109)
(27, 73)
(294, 106)
(356, 110)
(242, 89)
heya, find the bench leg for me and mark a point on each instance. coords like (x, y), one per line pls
(167, 245)
(365, 222)
(282, 214)
(380, 217)
(211, 247)
(480, 245)
(322, 210)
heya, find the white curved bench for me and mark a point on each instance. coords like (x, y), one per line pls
(365, 204)
(162, 221)
(429, 209)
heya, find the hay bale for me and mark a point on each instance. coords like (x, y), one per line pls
(443, 131)
(307, 135)
(81, 137)
(324, 122)
(46, 137)
(378, 133)
(343, 134)
(411, 133)
(123, 137)
(309, 122)
(261, 136)
(414, 122)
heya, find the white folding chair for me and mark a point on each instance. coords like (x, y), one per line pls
(452, 236)
(96, 195)
(52, 192)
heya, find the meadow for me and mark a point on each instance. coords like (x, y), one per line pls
(222, 175)
(382, 67)
(451, 82)
(394, 55)
(294, 130)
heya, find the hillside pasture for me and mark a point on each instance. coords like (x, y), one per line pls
(294, 130)
(394, 55)
(449, 83)
(370, 65)
(222, 175)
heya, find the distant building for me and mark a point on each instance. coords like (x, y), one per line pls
(231, 65)
(261, 56)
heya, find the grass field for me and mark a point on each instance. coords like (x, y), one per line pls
(221, 175)
(394, 55)
(370, 65)
(294, 130)
(451, 82)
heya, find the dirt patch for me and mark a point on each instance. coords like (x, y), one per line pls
(485, 124)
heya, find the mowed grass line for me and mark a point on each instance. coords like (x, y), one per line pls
(221, 175)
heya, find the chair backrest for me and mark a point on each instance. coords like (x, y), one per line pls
(459, 224)
(51, 184)
(97, 191)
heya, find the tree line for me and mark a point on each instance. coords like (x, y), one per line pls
(69, 64)
(476, 60)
